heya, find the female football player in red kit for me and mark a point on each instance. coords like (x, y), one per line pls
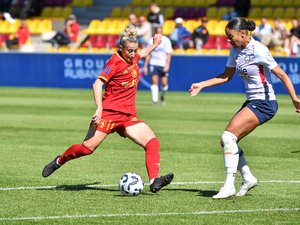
(116, 110)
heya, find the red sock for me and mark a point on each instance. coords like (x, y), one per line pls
(75, 151)
(152, 158)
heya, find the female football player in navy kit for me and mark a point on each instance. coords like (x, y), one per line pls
(254, 64)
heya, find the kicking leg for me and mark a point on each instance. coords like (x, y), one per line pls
(143, 135)
(91, 142)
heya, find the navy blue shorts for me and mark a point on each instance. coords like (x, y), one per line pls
(158, 70)
(263, 109)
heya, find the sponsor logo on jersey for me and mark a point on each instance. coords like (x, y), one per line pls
(106, 70)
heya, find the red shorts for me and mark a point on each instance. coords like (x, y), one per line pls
(116, 121)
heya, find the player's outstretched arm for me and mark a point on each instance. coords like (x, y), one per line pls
(288, 85)
(222, 78)
(156, 42)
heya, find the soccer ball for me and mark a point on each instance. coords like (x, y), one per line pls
(131, 184)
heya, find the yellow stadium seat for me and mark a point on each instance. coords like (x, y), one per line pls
(168, 3)
(145, 3)
(39, 26)
(221, 11)
(88, 2)
(136, 3)
(66, 11)
(296, 4)
(46, 12)
(168, 27)
(77, 3)
(255, 12)
(93, 26)
(190, 3)
(278, 12)
(220, 28)
(212, 12)
(297, 13)
(126, 11)
(267, 12)
(146, 11)
(260, 3)
(57, 12)
(138, 11)
(168, 12)
(199, 3)
(114, 27)
(190, 51)
(116, 12)
(287, 3)
(211, 25)
(178, 3)
(190, 25)
(289, 12)
(276, 3)
(13, 28)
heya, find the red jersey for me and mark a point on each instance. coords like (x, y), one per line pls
(74, 29)
(121, 80)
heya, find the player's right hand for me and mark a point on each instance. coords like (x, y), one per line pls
(195, 89)
(97, 116)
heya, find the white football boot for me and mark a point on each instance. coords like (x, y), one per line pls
(225, 192)
(247, 186)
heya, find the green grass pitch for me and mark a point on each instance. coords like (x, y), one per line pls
(37, 124)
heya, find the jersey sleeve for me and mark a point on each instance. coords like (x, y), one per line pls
(231, 60)
(168, 46)
(108, 71)
(264, 57)
(137, 58)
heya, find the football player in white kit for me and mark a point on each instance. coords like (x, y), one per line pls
(159, 61)
(254, 64)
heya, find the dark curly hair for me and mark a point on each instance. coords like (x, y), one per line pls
(239, 23)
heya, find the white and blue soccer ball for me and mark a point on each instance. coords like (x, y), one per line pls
(131, 184)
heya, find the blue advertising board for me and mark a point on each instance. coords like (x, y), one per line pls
(81, 70)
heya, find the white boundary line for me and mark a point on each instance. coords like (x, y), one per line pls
(115, 185)
(151, 214)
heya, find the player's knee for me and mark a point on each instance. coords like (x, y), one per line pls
(89, 147)
(228, 140)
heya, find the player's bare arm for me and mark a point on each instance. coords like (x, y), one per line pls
(97, 88)
(220, 79)
(156, 42)
(288, 85)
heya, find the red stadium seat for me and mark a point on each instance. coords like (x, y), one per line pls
(98, 41)
(211, 43)
(224, 43)
(113, 41)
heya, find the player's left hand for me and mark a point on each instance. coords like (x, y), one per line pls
(157, 39)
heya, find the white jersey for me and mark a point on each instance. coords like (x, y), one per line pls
(254, 64)
(158, 57)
